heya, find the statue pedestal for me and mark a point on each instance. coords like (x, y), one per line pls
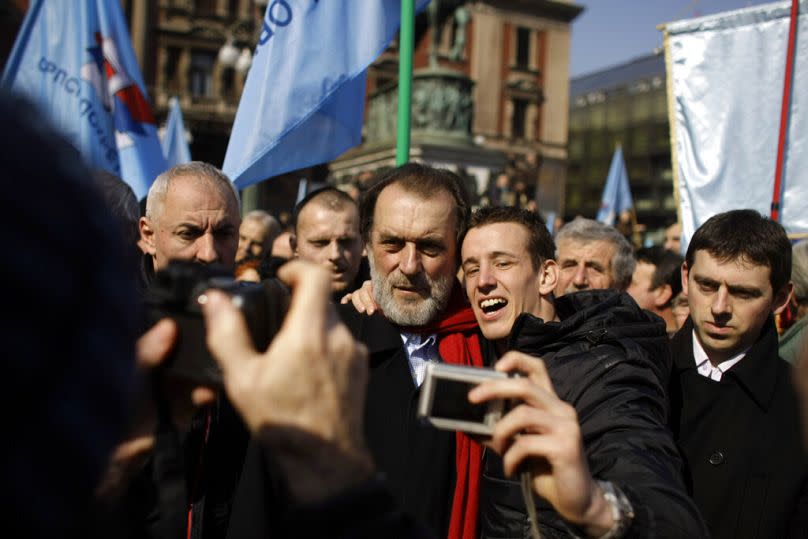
(442, 109)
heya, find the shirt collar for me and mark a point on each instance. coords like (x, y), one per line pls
(701, 356)
(416, 341)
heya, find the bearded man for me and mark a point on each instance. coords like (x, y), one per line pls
(411, 223)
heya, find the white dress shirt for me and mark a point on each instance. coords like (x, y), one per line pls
(706, 369)
(421, 349)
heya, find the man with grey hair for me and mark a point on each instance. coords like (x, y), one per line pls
(792, 340)
(592, 256)
(412, 221)
(192, 213)
(257, 233)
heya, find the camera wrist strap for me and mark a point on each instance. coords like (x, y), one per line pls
(530, 504)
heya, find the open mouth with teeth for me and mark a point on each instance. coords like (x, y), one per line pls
(492, 305)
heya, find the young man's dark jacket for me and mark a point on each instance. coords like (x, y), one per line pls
(740, 438)
(611, 361)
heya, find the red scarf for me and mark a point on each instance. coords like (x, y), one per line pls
(459, 344)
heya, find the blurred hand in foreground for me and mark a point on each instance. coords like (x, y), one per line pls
(304, 397)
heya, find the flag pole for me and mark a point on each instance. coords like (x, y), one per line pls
(784, 112)
(405, 50)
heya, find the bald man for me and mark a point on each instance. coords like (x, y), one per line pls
(192, 213)
(327, 233)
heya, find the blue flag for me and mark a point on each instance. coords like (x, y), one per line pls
(303, 100)
(617, 193)
(74, 60)
(175, 147)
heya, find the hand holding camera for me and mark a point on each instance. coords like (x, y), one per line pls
(542, 435)
(176, 293)
(304, 396)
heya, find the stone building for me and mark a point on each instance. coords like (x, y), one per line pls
(200, 52)
(627, 105)
(490, 96)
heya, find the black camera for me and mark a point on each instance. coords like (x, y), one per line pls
(175, 293)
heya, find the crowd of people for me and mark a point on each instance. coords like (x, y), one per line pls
(629, 419)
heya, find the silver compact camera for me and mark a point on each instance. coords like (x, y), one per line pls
(444, 401)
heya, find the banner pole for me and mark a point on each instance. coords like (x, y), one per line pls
(405, 52)
(784, 111)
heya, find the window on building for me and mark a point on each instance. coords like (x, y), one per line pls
(171, 70)
(518, 121)
(229, 84)
(523, 36)
(206, 7)
(200, 77)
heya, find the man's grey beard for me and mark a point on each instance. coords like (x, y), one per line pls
(416, 312)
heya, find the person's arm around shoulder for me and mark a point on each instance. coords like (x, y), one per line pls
(362, 299)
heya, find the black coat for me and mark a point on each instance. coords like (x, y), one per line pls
(416, 460)
(611, 361)
(740, 438)
(263, 507)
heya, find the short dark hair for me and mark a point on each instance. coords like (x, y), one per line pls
(424, 181)
(748, 236)
(667, 267)
(540, 244)
(330, 196)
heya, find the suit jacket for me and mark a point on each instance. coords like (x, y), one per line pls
(740, 439)
(416, 460)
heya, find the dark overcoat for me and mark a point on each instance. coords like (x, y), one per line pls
(740, 438)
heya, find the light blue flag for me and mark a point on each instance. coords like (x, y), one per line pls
(74, 60)
(617, 193)
(303, 100)
(175, 147)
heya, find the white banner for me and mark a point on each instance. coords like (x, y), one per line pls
(726, 85)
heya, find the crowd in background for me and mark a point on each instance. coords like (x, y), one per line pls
(652, 400)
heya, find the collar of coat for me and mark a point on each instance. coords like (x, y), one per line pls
(754, 373)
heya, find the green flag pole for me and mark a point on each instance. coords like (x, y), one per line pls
(405, 49)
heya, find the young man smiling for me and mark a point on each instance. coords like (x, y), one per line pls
(735, 410)
(591, 426)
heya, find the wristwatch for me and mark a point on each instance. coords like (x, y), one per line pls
(622, 512)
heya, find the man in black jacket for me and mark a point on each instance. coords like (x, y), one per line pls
(735, 413)
(71, 391)
(591, 427)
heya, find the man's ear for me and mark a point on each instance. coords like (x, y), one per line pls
(684, 278)
(548, 277)
(782, 298)
(147, 236)
(663, 295)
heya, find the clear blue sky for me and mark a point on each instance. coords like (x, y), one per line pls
(611, 32)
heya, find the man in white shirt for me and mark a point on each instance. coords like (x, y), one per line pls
(734, 410)
(411, 223)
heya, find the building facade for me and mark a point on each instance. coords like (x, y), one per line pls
(626, 105)
(490, 97)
